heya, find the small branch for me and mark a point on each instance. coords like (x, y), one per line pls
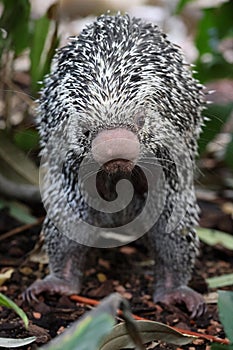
(25, 192)
(211, 338)
(20, 229)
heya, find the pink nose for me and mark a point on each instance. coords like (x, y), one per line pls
(116, 143)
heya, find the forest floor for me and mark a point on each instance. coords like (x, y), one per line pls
(127, 270)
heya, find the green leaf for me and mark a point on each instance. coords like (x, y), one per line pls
(87, 333)
(4, 301)
(215, 25)
(217, 346)
(18, 211)
(45, 41)
(40, 33)
(86, 336)
(15, 343)
(149, 331)
(218, 115)
(220, 281)
(26, 139)
(181, 4)
(15, 21)
(225, 307)
(214, 237)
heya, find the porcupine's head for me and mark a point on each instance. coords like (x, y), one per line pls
(122, 85)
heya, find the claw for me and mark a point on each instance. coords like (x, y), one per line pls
(193, 301)
(50, 284)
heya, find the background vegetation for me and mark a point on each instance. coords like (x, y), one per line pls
(27, 45)
(36, 39)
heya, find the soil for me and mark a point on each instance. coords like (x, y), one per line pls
(127, 270)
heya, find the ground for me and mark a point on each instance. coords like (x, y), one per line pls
(127, 270)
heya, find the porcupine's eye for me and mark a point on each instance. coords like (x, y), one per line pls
(140, 119)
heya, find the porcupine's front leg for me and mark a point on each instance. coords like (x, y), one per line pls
(66, 260)
(174, 254)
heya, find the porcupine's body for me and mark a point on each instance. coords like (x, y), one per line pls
(123, 76)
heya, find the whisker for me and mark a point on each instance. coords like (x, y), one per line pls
(27, 98)
(162, 159)
(160, 164)
(169, 170)
(88, 175)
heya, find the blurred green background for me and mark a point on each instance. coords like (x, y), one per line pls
(30, 32)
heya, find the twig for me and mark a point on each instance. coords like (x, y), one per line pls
(211, 338)
(20, 229)
(26, 192)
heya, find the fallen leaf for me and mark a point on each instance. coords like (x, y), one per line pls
(4, 276)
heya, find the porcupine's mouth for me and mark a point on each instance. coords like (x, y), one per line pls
(120, 166)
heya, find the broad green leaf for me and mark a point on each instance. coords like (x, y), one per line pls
(217, 346)
(218, 115)
(27, 139)
(214, 237)
(15, 343)
(45, 41)
(220, 281)
(16, 162)
(19, 211)
(15, 21)
(85, 336)
(40, 34)
(225, 307)
(181, 4)
(4, 301)
(87, 333)
(149, 331)
(215, 25)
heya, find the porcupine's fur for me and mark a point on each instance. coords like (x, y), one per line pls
(115, 66)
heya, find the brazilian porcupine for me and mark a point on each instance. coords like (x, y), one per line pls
(122, 79)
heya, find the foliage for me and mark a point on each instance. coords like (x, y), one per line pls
(215, 27)
(149, 331)
(217, 116)
(213, 31)
(22, 32)
(16, 27)
(225, 307)
(40, 37)
(89, 332)
(40, 54)
(4, 301)
(215, 237)
(15, 342)
(95, 330)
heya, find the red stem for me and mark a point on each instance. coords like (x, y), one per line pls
(212, 338)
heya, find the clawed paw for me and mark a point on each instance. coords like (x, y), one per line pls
(50, 284)
(193, 301)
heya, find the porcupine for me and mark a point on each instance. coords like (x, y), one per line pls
(122, 78)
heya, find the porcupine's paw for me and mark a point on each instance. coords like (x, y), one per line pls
(52, 285)
(193, 301)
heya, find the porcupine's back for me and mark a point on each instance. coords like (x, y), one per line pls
(116, 67)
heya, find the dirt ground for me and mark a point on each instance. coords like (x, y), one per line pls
(127, 270)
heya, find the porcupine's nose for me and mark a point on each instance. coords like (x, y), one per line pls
(116, 149)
